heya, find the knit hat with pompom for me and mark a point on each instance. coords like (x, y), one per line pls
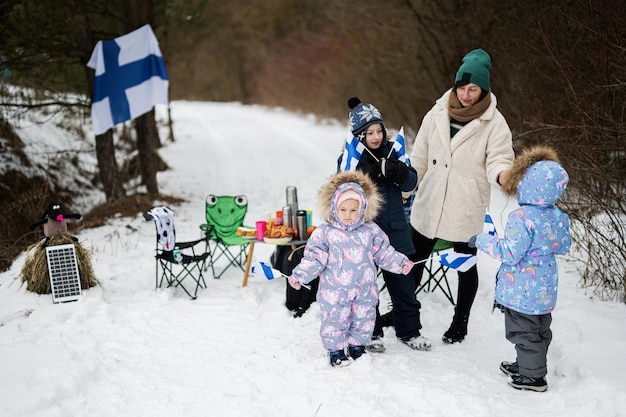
(362, 116)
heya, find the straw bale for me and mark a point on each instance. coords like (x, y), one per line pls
(35, 269)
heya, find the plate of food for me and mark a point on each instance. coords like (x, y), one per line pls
(246, 232)
(278, 240)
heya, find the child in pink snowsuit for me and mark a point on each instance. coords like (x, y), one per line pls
(344, 252)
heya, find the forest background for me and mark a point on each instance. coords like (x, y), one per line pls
(559, 73)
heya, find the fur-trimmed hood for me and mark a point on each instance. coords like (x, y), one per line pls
(543, 184)
(343, 181)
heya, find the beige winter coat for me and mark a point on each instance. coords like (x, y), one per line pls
(455, 175)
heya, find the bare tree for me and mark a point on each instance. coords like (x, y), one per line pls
(586, 122)
(105, 149)
(145, 125)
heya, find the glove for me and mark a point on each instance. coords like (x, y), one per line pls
(395, 170)
(294, 282)
(472, 242)
(408, 267)
(373, 170)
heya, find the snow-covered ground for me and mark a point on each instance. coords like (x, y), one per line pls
(126, 349)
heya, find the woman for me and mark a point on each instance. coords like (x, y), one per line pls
(463, 145)
(392, 177)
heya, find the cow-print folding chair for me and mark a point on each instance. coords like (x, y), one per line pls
(177, 263)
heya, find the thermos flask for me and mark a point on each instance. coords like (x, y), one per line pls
(292, 201)
(301, 224)
(288, 217)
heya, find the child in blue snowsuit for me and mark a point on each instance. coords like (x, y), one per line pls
(527, 280)
(344, 251)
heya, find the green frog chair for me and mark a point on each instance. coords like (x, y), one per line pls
(224, 214)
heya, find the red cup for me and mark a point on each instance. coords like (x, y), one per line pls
(261, 227)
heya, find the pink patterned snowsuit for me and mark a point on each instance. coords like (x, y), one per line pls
(345, 259)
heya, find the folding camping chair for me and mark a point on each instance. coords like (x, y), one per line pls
(177, 263)
(437, 273)
(224, 214)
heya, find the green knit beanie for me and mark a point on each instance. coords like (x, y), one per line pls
(475, 69)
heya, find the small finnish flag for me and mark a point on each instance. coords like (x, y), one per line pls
(264, 269)
(489, 227)
(400, 148)
(462, 262)
(351, 153)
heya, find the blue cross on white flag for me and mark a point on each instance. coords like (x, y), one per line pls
(400, 148)
(351, 153)
(270, 273)
(489, 227)
(459, 261)
(130, 78)
(266, 270)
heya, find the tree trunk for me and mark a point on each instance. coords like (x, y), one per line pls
(109, 174)
(147, 138)
(105, 149)
(148, 141)
(170, 125)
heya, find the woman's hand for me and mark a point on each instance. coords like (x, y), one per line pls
(503, 177)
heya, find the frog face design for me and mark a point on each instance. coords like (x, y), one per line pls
(226, 213)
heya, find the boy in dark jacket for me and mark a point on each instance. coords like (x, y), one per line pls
(392, 177)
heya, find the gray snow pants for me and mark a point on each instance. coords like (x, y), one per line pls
(531, 336)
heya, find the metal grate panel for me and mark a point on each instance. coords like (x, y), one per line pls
(63, 272)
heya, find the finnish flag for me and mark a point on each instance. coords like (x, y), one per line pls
(351, 153)
(400, 148)
(262, 268)
(459, 261)
(489, 227)
(130, 78)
